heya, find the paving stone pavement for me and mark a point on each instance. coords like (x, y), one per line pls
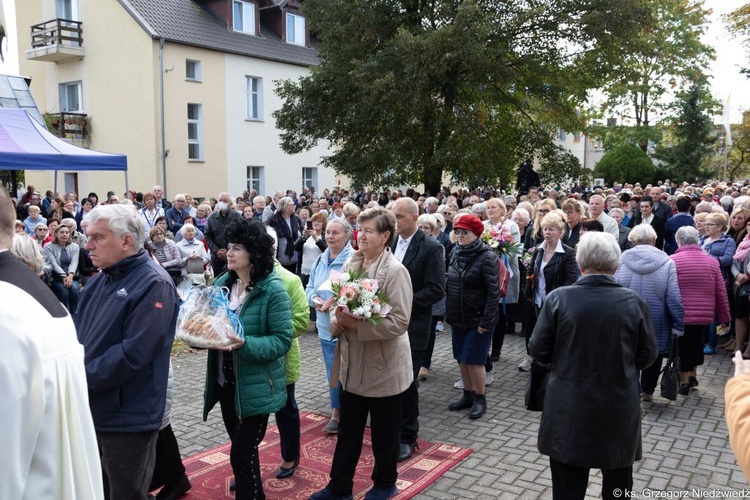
(685, 446)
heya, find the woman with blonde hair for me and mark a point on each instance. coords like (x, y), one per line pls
(536, 235)
(28, 252)
(737, 222)
(62, 257)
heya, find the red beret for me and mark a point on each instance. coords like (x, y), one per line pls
(470, 222)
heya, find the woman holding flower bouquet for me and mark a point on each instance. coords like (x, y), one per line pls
(375, 363)
(504, 230)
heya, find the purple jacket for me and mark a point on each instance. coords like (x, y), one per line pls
(704, 294)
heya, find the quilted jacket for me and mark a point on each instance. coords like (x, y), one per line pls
(259, 364)
(300, 319)
(701, 286)
(652, 274)
(471, 299)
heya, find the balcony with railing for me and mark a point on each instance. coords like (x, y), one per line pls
(71, 127)
(57, 40)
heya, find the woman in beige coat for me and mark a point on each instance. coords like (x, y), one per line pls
(374, 365)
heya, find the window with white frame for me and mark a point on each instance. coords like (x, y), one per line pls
(67, 9)
(244, 17)
(562, 135)
(255, 179)
(295, 29)
(195, 131)
(192, 70)
(71, 97)
(253, 98)
(310, 177)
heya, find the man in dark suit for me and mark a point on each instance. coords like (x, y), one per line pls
(422, 256)
(660, 208)
(680, 219)
(647, 214)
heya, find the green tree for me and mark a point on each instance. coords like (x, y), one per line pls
(409, 90)
(625, 163)
(662, 57)
(738, 154)
(692, 137)
(738, 22)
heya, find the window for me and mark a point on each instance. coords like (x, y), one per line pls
(253, 98)
(576, 136)
(193, 70)
(310, 177)
(244, 17)
(561, 135)
(255, 179)
(295, 29)
(71, 97)
(195, 131)
(67, 9)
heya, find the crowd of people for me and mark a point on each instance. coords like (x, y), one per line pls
(669, 261)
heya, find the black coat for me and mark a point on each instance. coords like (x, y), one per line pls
(659, 224)
(214, 234)
(424, 261)
(597, 335)
(560, 270)
(472, 288)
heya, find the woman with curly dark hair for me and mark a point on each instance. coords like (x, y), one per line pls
(248, 379)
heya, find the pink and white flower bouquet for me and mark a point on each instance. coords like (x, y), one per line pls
(501, 242)
(359, 296)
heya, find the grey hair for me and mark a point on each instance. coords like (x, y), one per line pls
(275, 237)
(344, 225)
(28, 252)
(439, 219)
(622, 212)
(479, 208)
(687, 235)
(283, 203)
(428, 219)
(121, 220)
(71, 223)
(431, 201)
(185, 227)
(598, 252)
(642, 234)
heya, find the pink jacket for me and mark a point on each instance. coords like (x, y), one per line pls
(701, 286)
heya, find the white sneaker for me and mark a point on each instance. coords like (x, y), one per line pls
(490, 378)
(525, 364)
(459, 384)
(440, 327)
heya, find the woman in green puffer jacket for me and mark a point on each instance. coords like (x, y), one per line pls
(248, 379)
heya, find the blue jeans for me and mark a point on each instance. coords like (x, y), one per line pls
(329, 351)
(67, 296)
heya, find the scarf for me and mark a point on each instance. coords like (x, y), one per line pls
(742, 249)
(290, 233)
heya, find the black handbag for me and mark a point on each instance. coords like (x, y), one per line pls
(537, 387)
(670, 375)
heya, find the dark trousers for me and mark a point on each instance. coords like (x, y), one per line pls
(529, 320)
(168, 468)
(426, 361)
(410, 403)
(287, 420)
(650, 375)
(569, 482)
(498, 336)
(127, 463)
(246, 435)
(67, 296)
(385, 422)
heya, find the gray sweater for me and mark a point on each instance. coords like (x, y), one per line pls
(52, 253)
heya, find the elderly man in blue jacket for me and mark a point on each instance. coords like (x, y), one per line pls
(126, 323)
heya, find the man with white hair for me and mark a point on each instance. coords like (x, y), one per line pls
(48, 440)
(596, 205)
(160, 201)
(271, 209)
(126, 323)
(216, 225)
(431, 205)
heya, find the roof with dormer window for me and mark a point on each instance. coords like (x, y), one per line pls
(189, 22)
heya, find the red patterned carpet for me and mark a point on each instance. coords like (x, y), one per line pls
(211, 473)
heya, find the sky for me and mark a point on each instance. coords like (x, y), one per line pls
(726, 79)
(730, 55)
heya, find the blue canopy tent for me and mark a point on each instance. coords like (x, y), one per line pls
(27, 145)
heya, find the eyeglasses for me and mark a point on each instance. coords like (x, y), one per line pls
(543, 211)
(461, 232)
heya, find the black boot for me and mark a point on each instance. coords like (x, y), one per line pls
(479, 406)
(464, 403)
